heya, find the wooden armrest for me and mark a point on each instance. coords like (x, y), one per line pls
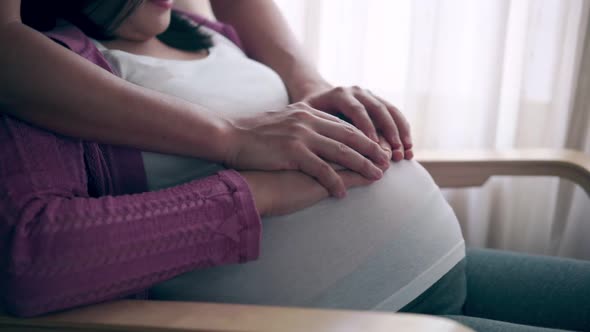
(132, 315)
(474, 168)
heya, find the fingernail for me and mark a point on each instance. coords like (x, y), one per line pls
(385, 148)
(395, 145)
(377, 174)
(341, 194)
(398, 155)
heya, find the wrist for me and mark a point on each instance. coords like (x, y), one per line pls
(303, 88)
(220, 138)
(253, 181)
(308, 88)
(302, 79)
(230, 136)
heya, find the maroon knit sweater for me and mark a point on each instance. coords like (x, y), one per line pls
(77, 227)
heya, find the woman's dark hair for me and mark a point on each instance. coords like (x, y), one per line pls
(98, 19)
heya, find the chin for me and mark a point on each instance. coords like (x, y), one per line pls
(162, 27)
(157, 26)
(160, 23)
(146, 22)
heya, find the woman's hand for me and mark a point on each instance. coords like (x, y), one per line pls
(304, 139)
(370, 113)
(284, 192)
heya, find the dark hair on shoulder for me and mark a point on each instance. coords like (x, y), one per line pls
(98, 19)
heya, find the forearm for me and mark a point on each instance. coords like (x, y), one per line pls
(269, 40)
(77, 250)
(63, 246)
(67, 94)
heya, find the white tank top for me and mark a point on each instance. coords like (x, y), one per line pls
(425, 246)
(226, 81)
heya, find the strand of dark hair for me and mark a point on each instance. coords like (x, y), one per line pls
(185, 34)
(43, 15)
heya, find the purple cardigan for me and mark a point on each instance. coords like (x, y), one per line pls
(78, 227)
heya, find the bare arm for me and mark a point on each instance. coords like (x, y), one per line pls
(65, 93)
(269, 40)
(69, 95)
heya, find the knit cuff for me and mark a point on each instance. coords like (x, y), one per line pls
(248, 216)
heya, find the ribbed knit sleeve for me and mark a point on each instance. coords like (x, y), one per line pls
(61, 248)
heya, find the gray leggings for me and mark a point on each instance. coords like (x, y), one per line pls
(501, 291)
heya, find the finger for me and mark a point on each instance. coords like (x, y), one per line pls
(308, 109)
(381, 117)
(402, 124)
(383, 120)
(323, 115)
(356, 112)
(353, 179)
(352, 137)
(409, 154)
(385, 146)
(343, 155)
(314, 166)
(326, 116)
(306, 191)
(348, 124)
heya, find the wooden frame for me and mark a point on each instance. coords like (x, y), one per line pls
(136, 316)
(473, 168)
(449, 169)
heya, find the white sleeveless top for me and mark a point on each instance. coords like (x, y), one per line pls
(226, 81)
(412, 230)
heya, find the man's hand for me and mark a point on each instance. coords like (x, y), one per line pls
(304, 139)
(372, 114)
(284, 192)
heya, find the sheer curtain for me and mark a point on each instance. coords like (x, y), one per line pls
(468, 75)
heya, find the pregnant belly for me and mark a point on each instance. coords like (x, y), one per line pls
(378, 248)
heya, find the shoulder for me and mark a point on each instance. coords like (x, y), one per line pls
(74, 39)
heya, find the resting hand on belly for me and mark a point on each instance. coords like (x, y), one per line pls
(298, 137)
(284, 192)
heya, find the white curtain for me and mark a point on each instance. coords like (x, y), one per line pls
(468, 75)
